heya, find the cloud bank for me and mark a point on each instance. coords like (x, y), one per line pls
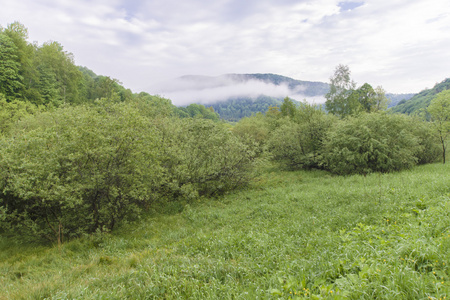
(208, 90)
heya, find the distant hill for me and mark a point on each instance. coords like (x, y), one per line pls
(421, 100)
(299, 87)
(396, 98)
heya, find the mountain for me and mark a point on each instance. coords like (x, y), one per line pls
(421, 100)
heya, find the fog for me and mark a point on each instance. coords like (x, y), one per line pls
(208, 90)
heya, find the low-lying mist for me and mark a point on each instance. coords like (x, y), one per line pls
(208, 90)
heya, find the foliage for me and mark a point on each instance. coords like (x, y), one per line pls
(234, 109)
(12, 112)
(10, 79)
(439, 110)
(380, 101)
(84, 169)
(298, 141)
(78, 170)
(46, 74)
(429, 150)
(371, 143)
(254, 132)
(153, 106)
(288, 108)
(203, 158)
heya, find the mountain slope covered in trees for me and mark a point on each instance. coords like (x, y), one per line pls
(421, 100)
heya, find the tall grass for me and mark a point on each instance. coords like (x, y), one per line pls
(290, 235)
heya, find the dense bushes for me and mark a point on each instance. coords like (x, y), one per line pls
(81, 169)
(306, 137)
(78, 170)
(371, 143)
(297, 142)
(201, 157)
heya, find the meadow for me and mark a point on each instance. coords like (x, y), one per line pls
(289, 235)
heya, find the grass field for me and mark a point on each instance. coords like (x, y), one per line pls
(303, 234)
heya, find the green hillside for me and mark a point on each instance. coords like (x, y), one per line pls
(421, 100)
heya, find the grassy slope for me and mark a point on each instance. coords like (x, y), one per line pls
(291, 234)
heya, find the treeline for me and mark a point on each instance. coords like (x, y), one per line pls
(306, 137)
(45, 76)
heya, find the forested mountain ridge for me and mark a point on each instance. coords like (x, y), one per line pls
(421, 100)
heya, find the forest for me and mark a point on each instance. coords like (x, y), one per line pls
(86, 164)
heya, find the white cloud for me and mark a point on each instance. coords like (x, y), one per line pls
(208, 90)
(399, 44)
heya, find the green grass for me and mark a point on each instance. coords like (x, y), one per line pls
(289, 235)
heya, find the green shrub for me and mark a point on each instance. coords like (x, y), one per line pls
(84, 169)
(78, 170)
(253, 131)
(201, 157)
(374, 142)
(429, 150)
(297, 142)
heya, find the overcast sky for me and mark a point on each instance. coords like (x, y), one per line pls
(402, 45)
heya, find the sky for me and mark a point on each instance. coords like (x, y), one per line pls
(401, 45)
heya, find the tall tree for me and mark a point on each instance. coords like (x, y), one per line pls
(439, 110)
(341, 99)
(366, 97)
(288, 108)
(59, 66)
(381, 101)
(24, 56)
(10, 79)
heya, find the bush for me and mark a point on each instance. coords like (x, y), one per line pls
(297, 142)
(374, 142)
(201, 157)
(84, 169)
(429, 150)
(78, 170)
(253, 131)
